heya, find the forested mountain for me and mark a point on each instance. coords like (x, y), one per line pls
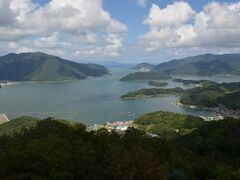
(202, 65)
(53, 150)
(44, 67)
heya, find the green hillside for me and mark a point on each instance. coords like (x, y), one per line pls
(202, 65)
(53, 150)
(211, 95)
(168, 124)
(20, 124)
(17, 125)
(44, 67)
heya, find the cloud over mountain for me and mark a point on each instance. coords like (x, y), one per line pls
(91, 29)
(56, 25)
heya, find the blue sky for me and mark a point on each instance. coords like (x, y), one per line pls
(128, 12)
(120, 30)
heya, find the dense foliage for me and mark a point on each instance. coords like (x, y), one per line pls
(16, 126)
(44, 67)
(168, 124)
(152, 75)
(157, 83)
(53, 150)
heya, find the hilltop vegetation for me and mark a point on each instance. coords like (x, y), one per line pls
(21, 124)
(53, 150)
(168, 124)
(17, 125)
(44, 67)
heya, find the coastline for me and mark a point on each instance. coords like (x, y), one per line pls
(9, 83)
(49, 82)
(150, 96)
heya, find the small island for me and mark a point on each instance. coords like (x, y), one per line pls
(151, 75)
(194, 82)
(151, 92)
(157, 83)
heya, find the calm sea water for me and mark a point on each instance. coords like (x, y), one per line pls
(95, 100)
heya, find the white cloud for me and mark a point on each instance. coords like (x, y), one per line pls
(114, 45)
(76, 24)
(46, 42)
(179, 26)
(173, 15)
(6, 15)
(79, 29)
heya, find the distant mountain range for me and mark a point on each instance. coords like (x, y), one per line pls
(43, 67)
(150, 75)
(201, 65)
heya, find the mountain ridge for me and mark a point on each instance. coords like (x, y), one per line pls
(203, 65)
(39, 66)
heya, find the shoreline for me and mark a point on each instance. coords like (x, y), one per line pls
(49, 82)
(221, 111)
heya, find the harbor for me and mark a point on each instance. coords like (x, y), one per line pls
(117, 126)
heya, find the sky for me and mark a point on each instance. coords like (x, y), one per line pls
(120, 30)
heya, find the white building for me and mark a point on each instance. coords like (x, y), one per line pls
(3, 118)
